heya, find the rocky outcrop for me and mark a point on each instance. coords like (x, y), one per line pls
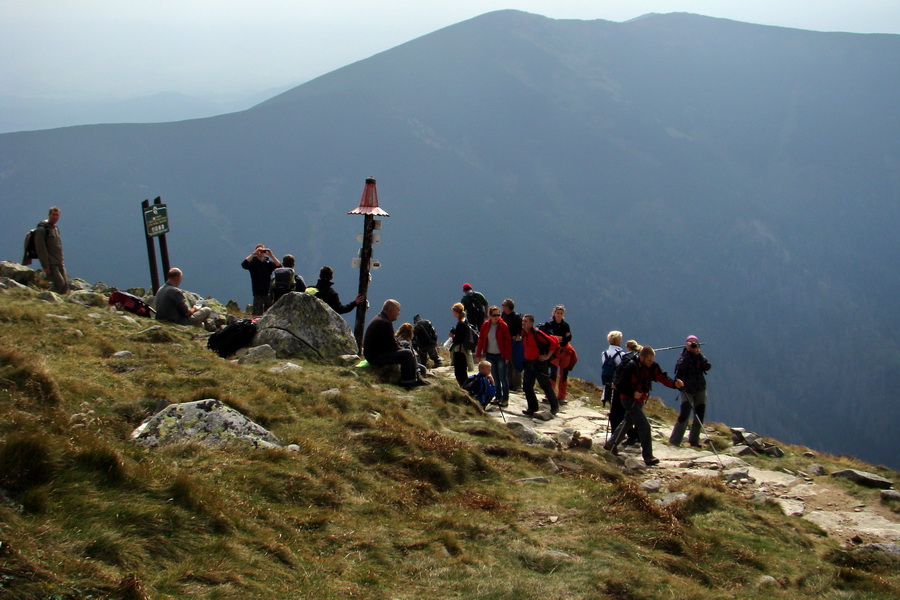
(18, 273)
(301, 325)
(208, 422)
(753, 441)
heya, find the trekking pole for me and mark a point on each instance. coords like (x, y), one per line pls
(703, 426)
(676, 347)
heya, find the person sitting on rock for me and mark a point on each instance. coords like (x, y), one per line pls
(172, 306)
(404, 337)
(380, 347)
(481, 385)
(326, 293)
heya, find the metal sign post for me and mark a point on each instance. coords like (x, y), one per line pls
(156, 224)
(368, 206)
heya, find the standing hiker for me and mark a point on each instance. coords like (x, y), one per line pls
(327, 294)
(633, 384)
(425, 340)
(611, 359)
(515, 365)
(539, 349)
(261, 262)
(691, 367)
(462, 336)
(285, 280)
(565, 357)
(48, 244)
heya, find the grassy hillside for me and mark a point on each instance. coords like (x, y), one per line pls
(392, 494)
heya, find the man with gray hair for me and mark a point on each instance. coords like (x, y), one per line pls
(171, 304)
(380, 347)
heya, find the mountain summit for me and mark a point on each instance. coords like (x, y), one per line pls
(670, 175)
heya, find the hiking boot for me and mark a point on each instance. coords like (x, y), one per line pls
(630, 442)
(611, 448)
(528, 413)
(651, 462)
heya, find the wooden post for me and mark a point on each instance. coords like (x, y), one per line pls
(365, 257)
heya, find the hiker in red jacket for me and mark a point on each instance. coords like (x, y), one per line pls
(539, 349)
(495, 345)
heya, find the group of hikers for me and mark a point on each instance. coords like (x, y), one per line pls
(504, 348)
(510, 351)
(271, 279)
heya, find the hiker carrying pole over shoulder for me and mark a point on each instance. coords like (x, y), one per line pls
(691, 367)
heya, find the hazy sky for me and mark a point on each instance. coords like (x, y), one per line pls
(122, 48)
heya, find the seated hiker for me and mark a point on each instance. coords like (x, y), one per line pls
(425, 341)
(404, 337)
(171, 304)
(284, 279)
(481, 385)
(325, 292)
(380, 347)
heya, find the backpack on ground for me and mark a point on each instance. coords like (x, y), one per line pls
(234, 336)
(131, 303)
(282, 282)
(608, 370)
(627, 358)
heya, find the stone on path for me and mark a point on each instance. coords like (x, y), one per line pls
(864, 478)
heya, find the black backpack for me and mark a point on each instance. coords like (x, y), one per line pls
(29, 247)
(282, 282)
(627, 358)
(232, 337)
(608, 370)
(425, 335)
(471, 341)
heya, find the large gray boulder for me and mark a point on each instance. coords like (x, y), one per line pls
(208, 422)
(301, 325)
(18, 273)
(864, 478)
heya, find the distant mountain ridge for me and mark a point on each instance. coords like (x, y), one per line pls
(670, 175)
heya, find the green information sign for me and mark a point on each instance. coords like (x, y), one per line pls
(156, 220)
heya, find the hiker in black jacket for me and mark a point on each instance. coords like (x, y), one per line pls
(330, 297)
(691, 367)
(261, 263)
(425, 341)
(633, 384)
